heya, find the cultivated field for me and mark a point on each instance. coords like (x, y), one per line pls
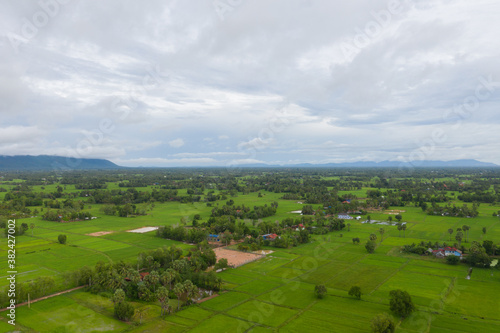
(274, 293)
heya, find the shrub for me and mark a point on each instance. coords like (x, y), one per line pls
(62, 239)
(355, 291)
(124, 311)
(452, 260)
(320, 290)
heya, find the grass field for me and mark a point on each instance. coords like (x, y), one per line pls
(276, 292)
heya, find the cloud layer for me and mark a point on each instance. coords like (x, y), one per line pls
(228, 82)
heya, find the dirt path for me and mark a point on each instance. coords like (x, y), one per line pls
(45, 297)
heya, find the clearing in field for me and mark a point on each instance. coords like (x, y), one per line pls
(236, 258)
(143, 230)
(100, 233)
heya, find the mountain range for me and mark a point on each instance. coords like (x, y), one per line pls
(46, 162)
(387, 164)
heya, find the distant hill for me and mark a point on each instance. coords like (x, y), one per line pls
(386, 164)
(45, 162)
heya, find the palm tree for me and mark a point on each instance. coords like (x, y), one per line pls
(140, 312)
(404, 230)
(152, 280)
(167, 277)
(32, 226)
(190, 289)
(400, 227)
(466, 228)
(178, 291)
(162, 296)
(348, 227)
(458, 237)
(450, 231)
(381, 231)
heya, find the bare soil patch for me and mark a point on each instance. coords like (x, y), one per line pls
(236, 258)
(100, 233)
(143, 230)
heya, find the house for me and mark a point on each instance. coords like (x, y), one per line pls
(358, 218)
(439, 253)
(269, 236)
(344, 217)
(213, 238)
(448, 251)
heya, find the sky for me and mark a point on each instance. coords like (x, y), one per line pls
(231, 82)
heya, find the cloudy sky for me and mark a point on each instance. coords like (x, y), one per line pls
(226, 82)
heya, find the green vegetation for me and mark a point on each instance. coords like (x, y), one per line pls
(383, 323)
(395, 273)
(320, 290)
(355, 291)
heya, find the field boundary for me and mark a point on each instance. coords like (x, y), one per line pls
(46, 297)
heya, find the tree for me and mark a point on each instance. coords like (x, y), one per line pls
(370, 246)
(381, 231)
(178, 291)
(399, 217)
(190, 290)
(450, 231)
(62, 239)
(320, 290)
(368, 218)
(124, 311)
(32, 226)
(118, 296)
(401, 303)
(484, 230)
(152, 279)
(459, 237)
(478, 256)
(167, 277)
(162, 296)
(404, 230)
(373, 237)
(383, 323)
(348, 227)
(355, 291)
(400, 227)
(452, 260)
(140, 313)
(390, 218)
(221, 264)
(466, 229)
(355, 240)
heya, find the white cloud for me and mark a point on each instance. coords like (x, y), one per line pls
(177, 143)
(172, 73)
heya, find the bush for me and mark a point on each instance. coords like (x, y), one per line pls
(401, 303)
(383, 323)
(452, 260)
(62, 239)
(221, 264)
(124, 311)
(320, 290)
(355, 291)
(370, 246)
